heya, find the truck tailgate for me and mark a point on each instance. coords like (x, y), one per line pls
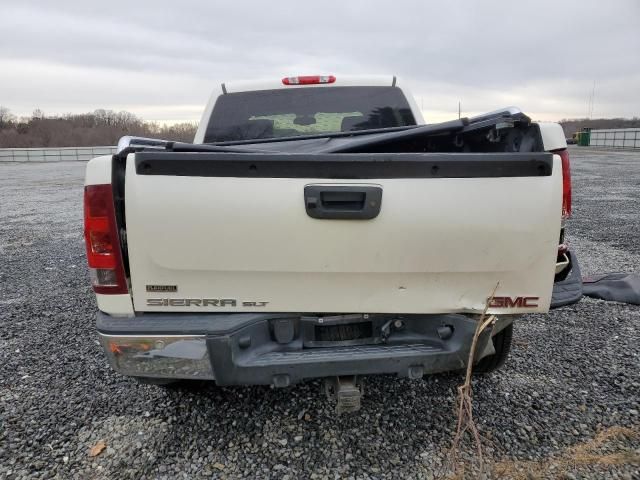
(231, 232)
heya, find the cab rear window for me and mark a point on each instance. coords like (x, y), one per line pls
(306, 111)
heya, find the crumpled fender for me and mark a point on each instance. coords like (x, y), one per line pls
(569, 290)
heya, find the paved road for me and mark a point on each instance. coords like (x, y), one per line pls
(566, 403)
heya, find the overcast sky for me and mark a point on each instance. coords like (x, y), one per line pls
(160, 60)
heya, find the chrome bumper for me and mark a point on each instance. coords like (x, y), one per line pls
(159, 356)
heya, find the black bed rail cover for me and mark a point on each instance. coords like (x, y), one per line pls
(345, 166)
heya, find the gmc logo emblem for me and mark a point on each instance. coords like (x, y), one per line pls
(514, 302)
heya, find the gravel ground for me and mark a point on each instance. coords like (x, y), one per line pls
(566, 405)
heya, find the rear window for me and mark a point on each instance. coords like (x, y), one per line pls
(306, 111)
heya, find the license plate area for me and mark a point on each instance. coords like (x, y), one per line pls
(339, 330)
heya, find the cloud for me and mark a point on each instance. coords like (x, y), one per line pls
(161, 59)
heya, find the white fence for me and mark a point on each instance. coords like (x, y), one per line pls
(616, 138)
(65, 154)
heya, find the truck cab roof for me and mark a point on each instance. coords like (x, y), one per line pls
(279, 83)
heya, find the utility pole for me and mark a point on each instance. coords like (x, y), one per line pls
(458, 109)
(591, 101)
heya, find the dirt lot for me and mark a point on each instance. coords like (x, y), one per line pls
(565, 406)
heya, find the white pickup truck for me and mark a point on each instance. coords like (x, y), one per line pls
(317, 227)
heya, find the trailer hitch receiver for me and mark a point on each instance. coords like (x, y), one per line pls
(345, 391)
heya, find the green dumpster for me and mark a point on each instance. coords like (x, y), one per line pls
(584, 137)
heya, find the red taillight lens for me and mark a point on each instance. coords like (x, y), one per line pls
(101, 239)
(309, 79)
(566, 183)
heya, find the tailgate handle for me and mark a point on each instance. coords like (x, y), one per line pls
(346, 202)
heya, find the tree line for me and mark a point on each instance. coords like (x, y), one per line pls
(573, 125)
(101, 127)
(105, 127)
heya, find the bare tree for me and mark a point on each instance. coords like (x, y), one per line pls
(574, 125)
(101, 127)
(6, 117)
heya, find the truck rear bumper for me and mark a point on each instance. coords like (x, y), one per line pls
(283, 349)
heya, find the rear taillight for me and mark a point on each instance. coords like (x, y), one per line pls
(566, 182)
(308, 80)
(102, 242)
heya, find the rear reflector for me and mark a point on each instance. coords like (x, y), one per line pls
(101, 239)
(566, 182)
(308, 80)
